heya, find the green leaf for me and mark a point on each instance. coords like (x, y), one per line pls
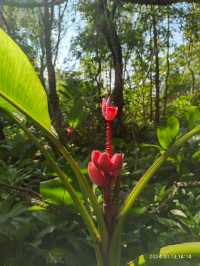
(179, 213)
(137, 211)
(196, 155)
(14, 212)
(53, 190)
(20, 88)
(184, 250)
(192, 249)
(193, 116)
(167, 134)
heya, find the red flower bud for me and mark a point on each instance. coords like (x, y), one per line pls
(69, 131)
(117, 161)
(102, 167)
(104, 162)
(109, 112)
(96, 175)
(95, 156)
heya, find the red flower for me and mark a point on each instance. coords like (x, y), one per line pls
(117, 161)
(109, 112)
(104, 162)
(103, 167)
(69, 131)
(97, 176)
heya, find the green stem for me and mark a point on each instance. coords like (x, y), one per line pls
(114, 255)
(99, 256)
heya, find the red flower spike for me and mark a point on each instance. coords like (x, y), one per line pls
(104, 162)
(109, 112)
(95, 156)
(96, 175)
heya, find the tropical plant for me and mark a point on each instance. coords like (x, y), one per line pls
(23, 97)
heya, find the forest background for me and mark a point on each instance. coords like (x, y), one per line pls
(144, 53)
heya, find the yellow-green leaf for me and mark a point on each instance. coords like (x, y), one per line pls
(166, 134)
(20, 86)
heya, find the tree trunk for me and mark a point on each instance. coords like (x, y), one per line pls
(151, 77)
(2, 135)
(53, 97)
(189, 66)
(118, 89)
(108, 28)
(151, 97)
(168, 67)
(157, 70)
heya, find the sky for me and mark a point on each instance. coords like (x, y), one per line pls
(74, 23)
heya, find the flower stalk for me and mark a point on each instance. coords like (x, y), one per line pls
(109, 138)
(104, 170)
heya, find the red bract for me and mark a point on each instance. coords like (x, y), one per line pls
(109, 112)
(117, 161)
(69, 131)
(96, 175)
(102, 167)
(104, 162)
(95, 156)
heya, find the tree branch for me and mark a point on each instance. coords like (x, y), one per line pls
(35, 3)
(20, 189)
(30, 3)
(158, 2)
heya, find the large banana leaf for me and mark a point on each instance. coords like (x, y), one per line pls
(19, 85)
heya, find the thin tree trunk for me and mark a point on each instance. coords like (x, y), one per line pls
(143, 105)
(151, 96)
(168, 67)
(151, 77)
(108, 28)
(2, 135)
(189, 66)
(42, 69)
(98, 75)
(157, 69)
(53, 97)
(3, 21)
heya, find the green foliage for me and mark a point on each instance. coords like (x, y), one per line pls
(54, 192)
(193, 116)
(40, 225)
(167, 134)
